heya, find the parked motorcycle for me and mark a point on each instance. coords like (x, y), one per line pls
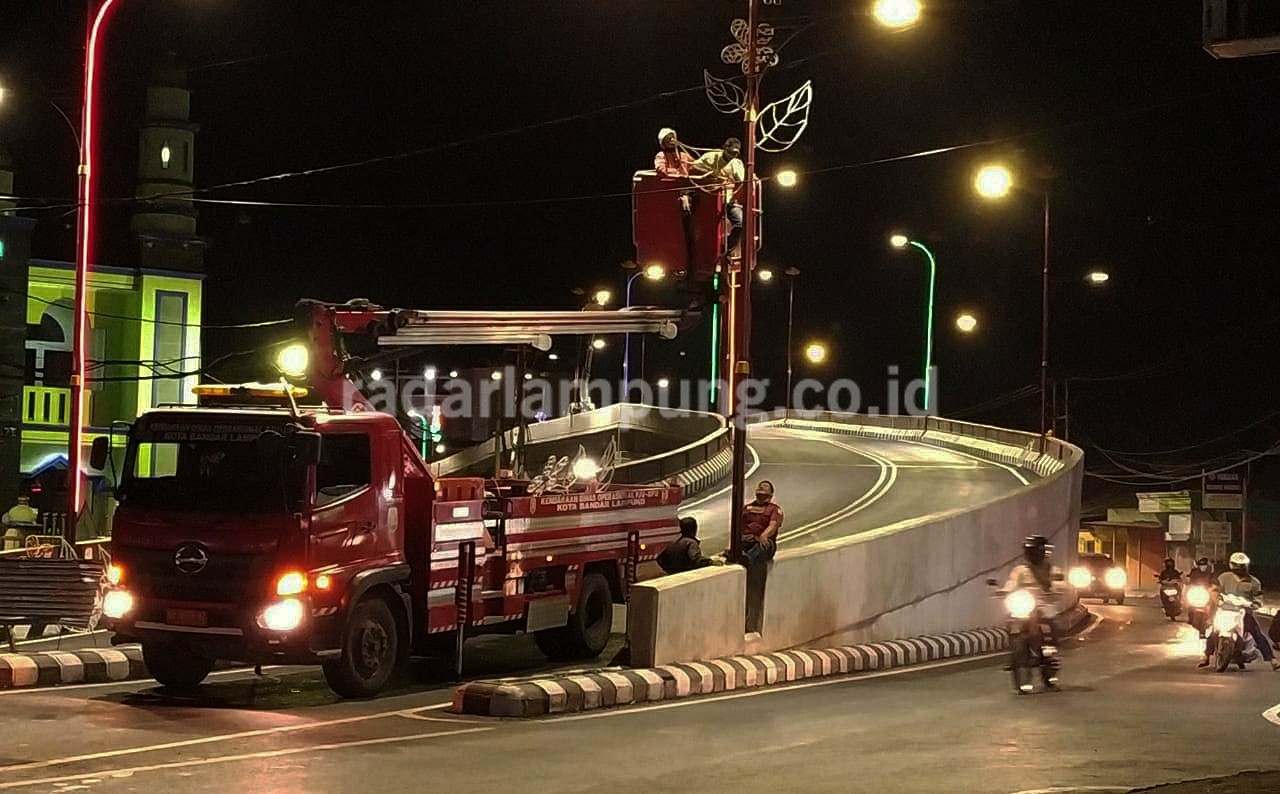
(1230, 642)
(1197, 598)
(1171, 598)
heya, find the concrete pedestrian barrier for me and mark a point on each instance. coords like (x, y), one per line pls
(83, 666)
(586, 690)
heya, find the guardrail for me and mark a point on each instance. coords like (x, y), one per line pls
(706, 435)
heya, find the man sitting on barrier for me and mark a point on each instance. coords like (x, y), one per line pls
(685, 553)
(761, 522)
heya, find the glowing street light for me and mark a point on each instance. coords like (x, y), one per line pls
(495, 375)
(966, 323)
(663, 383)
(897, 14)
(375, 375)
(453, 373)
(1097, 278)
(787, 178)
(553, 357)
(598, 344)
(655, 272)
(429, 373)
(765, 275)
(603, 297)
(993, 181)
(901, 242)
(816, 352)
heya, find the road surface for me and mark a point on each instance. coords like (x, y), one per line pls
(1134, 711)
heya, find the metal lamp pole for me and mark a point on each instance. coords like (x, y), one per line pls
(741, 325)
(928, 325)
(626, 343)
(85, 220)
(1044, 327)
(791, 273)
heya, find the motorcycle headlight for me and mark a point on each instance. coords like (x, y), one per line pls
(1224, 621)
(1020, 603)
(1080, 578)
(117, 603)
(1116, 579)
(1198, 596)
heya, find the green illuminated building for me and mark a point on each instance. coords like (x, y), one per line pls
(144, 331)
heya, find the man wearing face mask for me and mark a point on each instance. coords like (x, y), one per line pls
(761, 521)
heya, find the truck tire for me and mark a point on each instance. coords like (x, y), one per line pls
(372, 650)
(175, 666)
(587, 632)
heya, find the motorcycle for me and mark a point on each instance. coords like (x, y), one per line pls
(1171, 597)
(1031, 644)
(1197, 598)
(1230, 642)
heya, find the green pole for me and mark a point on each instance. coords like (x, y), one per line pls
(423, 438)
(928, 323)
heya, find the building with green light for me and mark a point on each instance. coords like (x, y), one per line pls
(143, 343)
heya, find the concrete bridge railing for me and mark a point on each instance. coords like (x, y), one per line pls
(919, 576)
(657, 445)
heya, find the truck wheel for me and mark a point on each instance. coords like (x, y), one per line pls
(371, 651)
(175, 666)
(589, 627)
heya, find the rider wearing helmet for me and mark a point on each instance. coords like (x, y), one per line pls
(1034, 571)
(1202, 574)
(1239, 582)
(1170, 572)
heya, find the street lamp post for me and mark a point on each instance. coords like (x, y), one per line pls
(85, 220)
(900, 242)
(996, 182)
(791, 273)
(652, 273)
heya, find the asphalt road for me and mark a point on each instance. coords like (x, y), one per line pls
(1134, 711)
(836, 485)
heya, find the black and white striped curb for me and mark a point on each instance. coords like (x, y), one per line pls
(606, 688)
(706, 474)
(83, 666)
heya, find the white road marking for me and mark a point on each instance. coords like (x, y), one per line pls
(315, 748)
(755, 464)
(1069, 789)
(773, 690)
(1272, 715)
(1011, 469)
(124, 682)
(302, 726)
(888, 476)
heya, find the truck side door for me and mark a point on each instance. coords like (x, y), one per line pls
(344, 516)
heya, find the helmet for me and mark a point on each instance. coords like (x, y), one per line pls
(1203, 562)
(1034, 549)
(1239, 563)
(1168, 562)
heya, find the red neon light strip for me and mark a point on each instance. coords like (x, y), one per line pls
(83, 253)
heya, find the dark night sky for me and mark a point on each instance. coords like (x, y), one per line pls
(1167, 175)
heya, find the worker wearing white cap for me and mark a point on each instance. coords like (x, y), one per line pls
(671, 161)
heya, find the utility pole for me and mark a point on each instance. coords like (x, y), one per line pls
(741, 288)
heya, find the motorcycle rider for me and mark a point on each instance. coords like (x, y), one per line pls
(1035, 573)
(1170, 572)
(1202, 574)
(1238, 582)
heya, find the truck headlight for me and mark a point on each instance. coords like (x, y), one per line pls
(117, 603)
(1198, 596)
(1080, 577)
(283, 615)
(1116, 579)
(1020, 603)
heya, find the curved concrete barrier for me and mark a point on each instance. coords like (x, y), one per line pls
(921, 576)
(658, 444)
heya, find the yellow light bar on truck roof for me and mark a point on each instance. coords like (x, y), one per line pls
(270, 390)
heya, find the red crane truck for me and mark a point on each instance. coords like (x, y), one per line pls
(273, 533)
